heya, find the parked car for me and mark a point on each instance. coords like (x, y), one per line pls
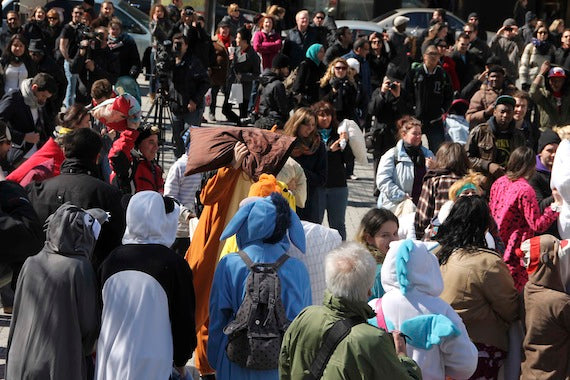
(360, 28)
(420, 19)
(135, 22)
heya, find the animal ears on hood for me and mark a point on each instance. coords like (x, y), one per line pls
(295, 230)
(402, 259)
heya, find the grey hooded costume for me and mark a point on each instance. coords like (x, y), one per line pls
(56, 315)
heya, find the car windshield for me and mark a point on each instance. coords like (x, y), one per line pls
(137, 14)
(385, 15)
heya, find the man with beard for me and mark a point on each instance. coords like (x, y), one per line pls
(46, 64)
(92, 62)
(23, 110)
(562, 55)
(490, 144)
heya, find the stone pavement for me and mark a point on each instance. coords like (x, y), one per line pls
(360, 199)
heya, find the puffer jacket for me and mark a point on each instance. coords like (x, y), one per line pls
(531, 61)
(395, 176)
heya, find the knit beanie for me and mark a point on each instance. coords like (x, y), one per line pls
(547, 137)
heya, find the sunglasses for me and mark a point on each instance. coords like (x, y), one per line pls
(320, 18)
(340, 68)
(52, 18)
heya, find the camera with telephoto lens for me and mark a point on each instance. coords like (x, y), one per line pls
(392, 86)
(166, 54)
(94, 39)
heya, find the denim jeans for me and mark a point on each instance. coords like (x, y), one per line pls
(336, 203)
(71, 85)
(180, 122)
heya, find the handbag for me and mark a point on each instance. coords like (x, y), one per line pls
(236, 94)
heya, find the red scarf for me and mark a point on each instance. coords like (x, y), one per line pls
(226, 41)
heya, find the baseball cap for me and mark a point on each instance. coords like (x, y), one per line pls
(505, 99)
(509, 22)
(473, 15)
(401, 20)
(556, 72)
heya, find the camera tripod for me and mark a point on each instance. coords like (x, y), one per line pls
(158, 112)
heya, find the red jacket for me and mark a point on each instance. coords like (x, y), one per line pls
(148, 174)
(43, 164)
(449, 67)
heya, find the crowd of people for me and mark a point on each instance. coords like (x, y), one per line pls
(461, 271)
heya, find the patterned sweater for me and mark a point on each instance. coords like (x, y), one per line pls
(514, 207)
(434, 194)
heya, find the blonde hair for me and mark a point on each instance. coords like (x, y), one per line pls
(301, 116)
(472, 177)
(562, 131)
(329, 74)
(233, 7)
(555, 25)
(276, 11)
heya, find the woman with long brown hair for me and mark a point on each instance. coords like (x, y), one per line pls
(514, 207)
(311, 154)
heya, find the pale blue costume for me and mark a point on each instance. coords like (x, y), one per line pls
(253, 222)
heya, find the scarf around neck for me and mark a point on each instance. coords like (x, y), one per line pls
(29, 97)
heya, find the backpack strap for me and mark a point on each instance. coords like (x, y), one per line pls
(380, 319)
(280, 261)
(246, 259)
(333, 337)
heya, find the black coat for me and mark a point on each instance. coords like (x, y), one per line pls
(387, 109)
(465, 69)
(540, 182)
(296, 44)
(189, 82)
(343, 94)
(307, 82)
(125, 52)
(562, 58)
(273, 101)
(78, 184)
(334, 51)
(53, 105)
(106, 67)
(20, 229)
(17, 114)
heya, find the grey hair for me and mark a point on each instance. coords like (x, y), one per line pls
(350, 271)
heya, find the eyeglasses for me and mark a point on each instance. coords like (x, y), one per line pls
(340, 68)
(52, 18)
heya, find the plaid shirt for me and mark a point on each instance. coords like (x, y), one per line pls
(434, 194)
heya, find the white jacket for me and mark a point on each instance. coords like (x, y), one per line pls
(454, 356)
(395, 176)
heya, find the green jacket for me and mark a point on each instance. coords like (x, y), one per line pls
(366, 353)
(549, 115)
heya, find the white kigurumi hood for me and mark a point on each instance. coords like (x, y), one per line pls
(421, 270)
(561, 180)
(148, 222)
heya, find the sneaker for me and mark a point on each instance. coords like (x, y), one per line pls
(211, 116)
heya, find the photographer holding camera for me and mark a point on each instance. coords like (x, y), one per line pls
(188, 83)
(93, 61)
(508, 45)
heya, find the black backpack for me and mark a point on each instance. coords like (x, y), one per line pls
(256, 333)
